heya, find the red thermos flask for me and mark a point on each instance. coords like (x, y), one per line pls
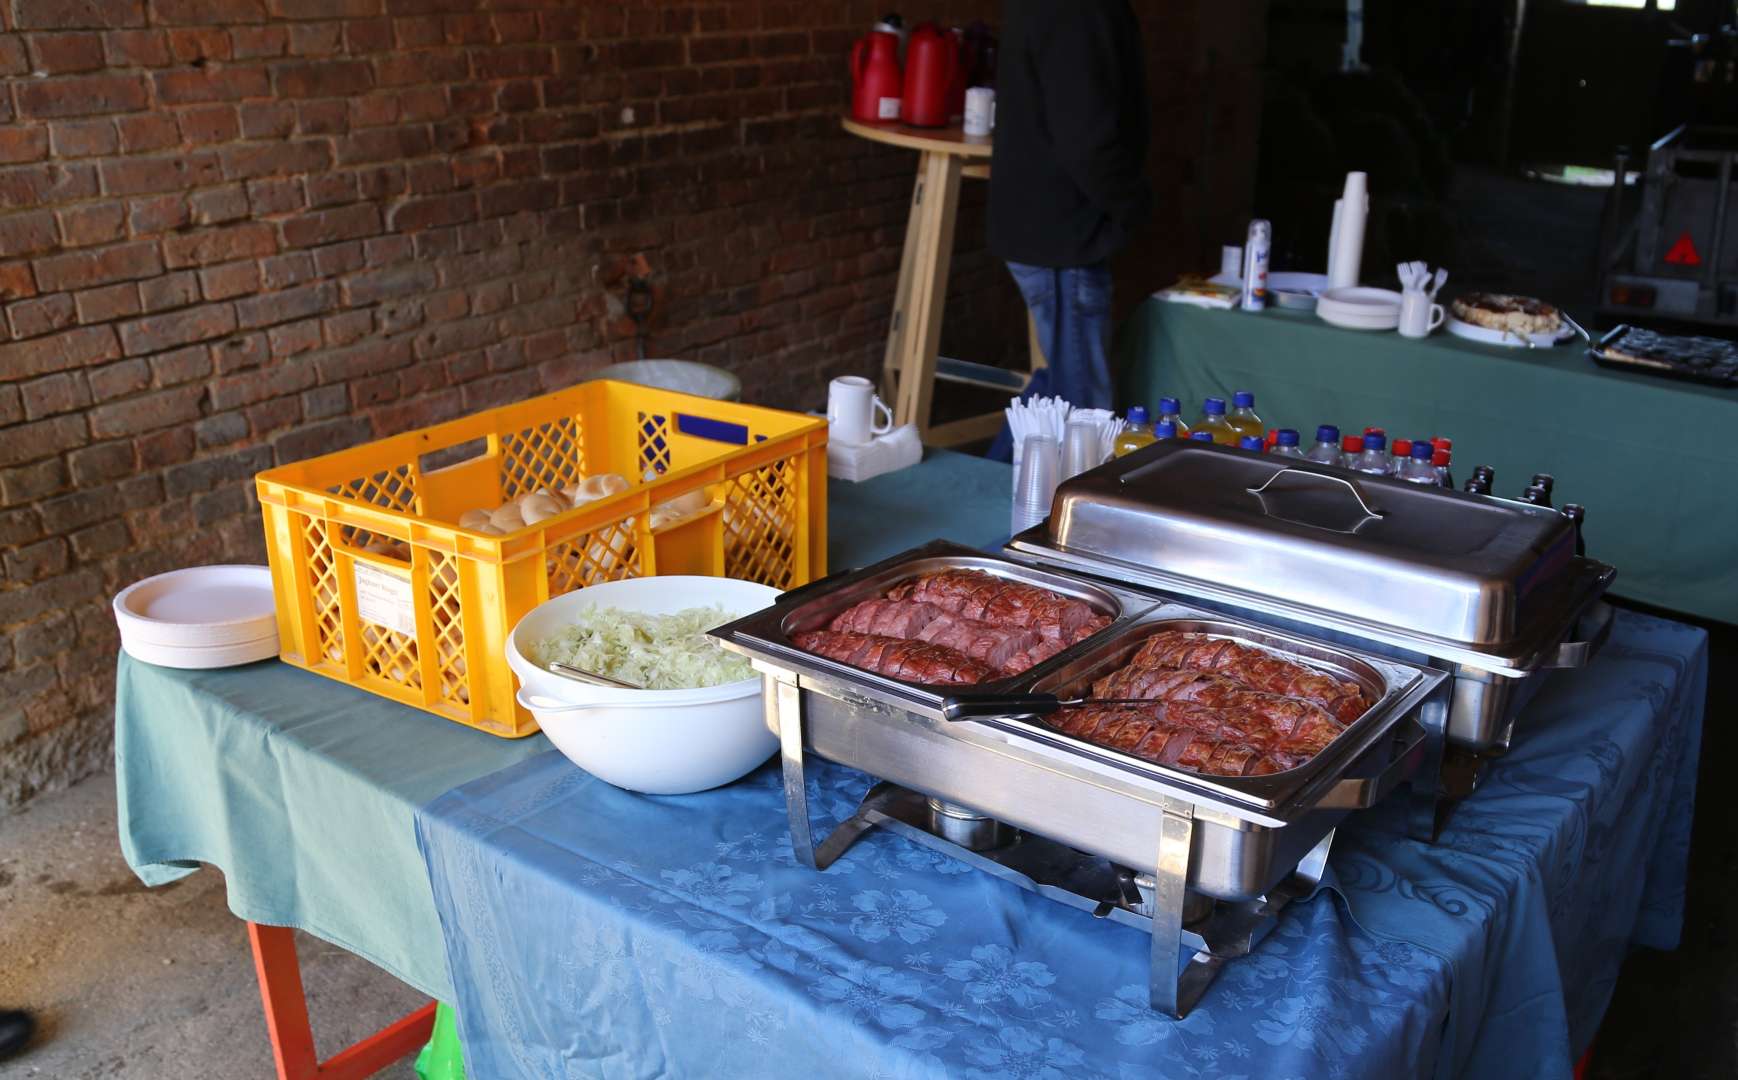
(931, 56)
(875, 78)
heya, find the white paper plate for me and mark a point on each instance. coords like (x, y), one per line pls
(200, 657)
(1333, 317)
(1502, 337)
(200, 606)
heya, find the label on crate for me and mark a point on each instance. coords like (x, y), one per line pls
(384, 599)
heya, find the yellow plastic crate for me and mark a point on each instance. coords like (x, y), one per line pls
(431, 630)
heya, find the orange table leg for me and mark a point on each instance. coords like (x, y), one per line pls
(286, 1009)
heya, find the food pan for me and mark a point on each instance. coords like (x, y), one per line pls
(815, 605)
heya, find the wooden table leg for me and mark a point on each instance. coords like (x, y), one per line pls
(920, 336)
(292, 1038)
(902, 293)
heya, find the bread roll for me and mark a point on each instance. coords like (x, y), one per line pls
(540, 505)
(474, 519)
(507, 518)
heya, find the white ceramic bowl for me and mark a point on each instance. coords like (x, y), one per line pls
(661, 742)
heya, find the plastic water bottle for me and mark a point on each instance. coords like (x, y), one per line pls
(1285, 444)
(1374, 459)
(1418, 469)
(1136, 435)
(1213, 422)
(1351, 449)
(1171, 412)
(1326, 451)
(1402, 450)
(1440, 460)
(1253, 443)
(1243, 418)
(1164, 431)
(1201, 436)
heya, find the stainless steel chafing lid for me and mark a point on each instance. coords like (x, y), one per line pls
(1439, 563)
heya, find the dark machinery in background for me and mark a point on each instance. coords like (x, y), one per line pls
(1674, 255)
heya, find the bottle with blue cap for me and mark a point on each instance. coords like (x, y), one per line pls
(1171, 412)
(1418, 469)
(1136, 435)
(1252, 443)
(1201, 436)
(1242, 417)
(1326, 451)
(1285, 444)
(1214, 424)
(1165, 431)
(1374, 459)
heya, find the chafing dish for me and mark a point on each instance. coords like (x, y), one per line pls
(1489, 589)
(1203, 862)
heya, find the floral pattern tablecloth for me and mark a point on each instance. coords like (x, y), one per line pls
(593, 932)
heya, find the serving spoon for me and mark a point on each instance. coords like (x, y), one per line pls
(591, 677)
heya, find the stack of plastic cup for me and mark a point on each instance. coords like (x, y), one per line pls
(1035, 486)
(1082, 448)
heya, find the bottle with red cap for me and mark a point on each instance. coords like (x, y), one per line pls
(1440, 459)
(1402, 450)
(1351, 449)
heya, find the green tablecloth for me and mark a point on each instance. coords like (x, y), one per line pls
(1654, 461)
(302, 790)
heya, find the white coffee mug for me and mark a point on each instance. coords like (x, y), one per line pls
(851, 408)
(1418, 316)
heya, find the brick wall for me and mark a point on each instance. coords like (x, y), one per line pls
(234, 233)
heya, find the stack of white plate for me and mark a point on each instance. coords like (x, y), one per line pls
(1359, 307)
(201, 617)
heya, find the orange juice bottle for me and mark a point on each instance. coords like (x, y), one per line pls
(1171, 412)
(1243, 419)
(1213, 422)
(1137, 434)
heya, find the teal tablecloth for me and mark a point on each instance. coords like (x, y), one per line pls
(302, 791)
(1654, 461)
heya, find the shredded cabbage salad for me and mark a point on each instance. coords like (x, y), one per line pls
(658, 652)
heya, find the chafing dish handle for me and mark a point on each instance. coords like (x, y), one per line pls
(1574, 654)
(1351, 485)
(1363, 792)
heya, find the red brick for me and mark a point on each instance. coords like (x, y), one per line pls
(293, 338)
(276, 380)
(229, 280)
(331, 189)
(208, 124)
(92, 223)
(123, 262)
(322, 78)
(204, 12)
(383, 144)
(282, 271)
(101, 463)
(12, 58)
(32, 483)
(240, 353)
(78, 14)
(108, 303)
(58, 393)
(83, 138)
(58, 54)
(279, 159)
(169, 291)
(45, 438)
(113, 381)
(367, 36)
(82, 95)
(316, 38)
(16, 281)
(139, 176)
(348, 328)
(275, 196)
(136, 48)
(155, 333)
(27, 233)
(191, 85)
(203, 247)
(286, 306)
(255, 42)
(267, 120)
(147, 412)
(428, 213)
(410, 69)
(199, 43)
(338, 259)
(46, 185)
(143, 134)
(325, 117)
(182, 365)
(213, 206)
(332, 226)
(157, 214)
(18, 143)
(44, 315)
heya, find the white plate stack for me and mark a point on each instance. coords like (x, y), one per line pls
(1359, 307)
(200, 617)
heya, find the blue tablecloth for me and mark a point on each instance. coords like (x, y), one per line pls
(592, 932)
(301, 790)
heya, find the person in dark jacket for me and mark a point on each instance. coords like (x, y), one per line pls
(1068, 184)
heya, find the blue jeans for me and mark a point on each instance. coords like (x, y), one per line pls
(1071, 309)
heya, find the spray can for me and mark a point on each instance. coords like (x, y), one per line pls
(1256, 250)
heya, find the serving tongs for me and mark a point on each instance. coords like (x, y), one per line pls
(980, 706)
(591, 678)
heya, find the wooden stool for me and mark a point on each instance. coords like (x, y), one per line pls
(910, 365)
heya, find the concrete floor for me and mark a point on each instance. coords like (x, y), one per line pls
(145, 983)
